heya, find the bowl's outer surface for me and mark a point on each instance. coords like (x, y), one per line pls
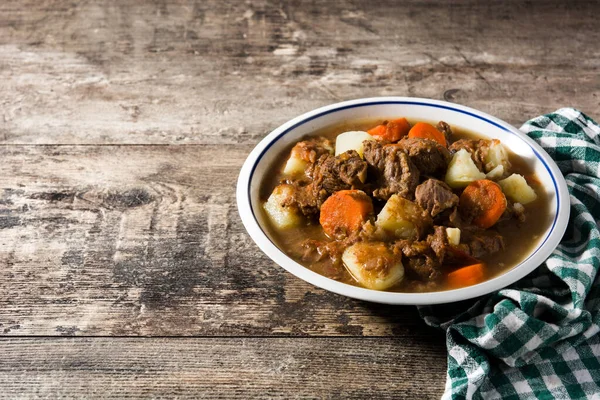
(259, 163)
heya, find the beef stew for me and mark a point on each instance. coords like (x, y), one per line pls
(404, 206)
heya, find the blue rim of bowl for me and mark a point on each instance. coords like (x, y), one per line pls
(448, 296)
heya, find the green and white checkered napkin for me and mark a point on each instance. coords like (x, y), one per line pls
(539, 338)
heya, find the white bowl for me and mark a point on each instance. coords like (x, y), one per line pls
(260, 160)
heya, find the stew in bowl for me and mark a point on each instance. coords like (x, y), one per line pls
(405, 204)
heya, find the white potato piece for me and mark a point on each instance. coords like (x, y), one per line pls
(453, 236)
(403, 218)
(352, 140)
(282, 217)
(373, 265)
(462, 170)
(496, 156)
(515, 187)
(295, 165)
(496, 173)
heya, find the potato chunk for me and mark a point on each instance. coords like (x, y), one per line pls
(295, 166)
(496, 156)
(453, 235)
(282, 216)
(496, 173)
(515, 187)
(373, 265)
(352, 140)
(462, 170)
(403, 218)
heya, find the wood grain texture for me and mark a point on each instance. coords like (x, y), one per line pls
(311, 368)
(146, 240)
(213, 72)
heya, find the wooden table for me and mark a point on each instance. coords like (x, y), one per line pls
(124, 268)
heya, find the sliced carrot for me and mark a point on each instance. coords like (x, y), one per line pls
(378, 131)
(424, 130)
(345, 212)
(485, 201)
(466, 276)
(392, 130)
(397, 129)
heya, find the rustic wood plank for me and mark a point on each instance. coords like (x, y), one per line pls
(228, 72)
(221, 368)
(146, 240)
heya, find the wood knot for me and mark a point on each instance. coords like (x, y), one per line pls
(450, 94)
(128, 199)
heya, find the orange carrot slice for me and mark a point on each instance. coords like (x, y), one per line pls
(466, 276)
(424, 130)
(391, 131)
(345, 212)
(485, 200)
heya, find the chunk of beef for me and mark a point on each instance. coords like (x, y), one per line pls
(435, 196)
(393, 171)
(481, 243)
(311, 149)
(438, 241)
(331, 174)
(478, 149)
(351, 168)
(430, 157)
(327, 176)
(446, 130)
(420, 261)
(344, 171)
(304, 199)
(471, 145)
(422, 268)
